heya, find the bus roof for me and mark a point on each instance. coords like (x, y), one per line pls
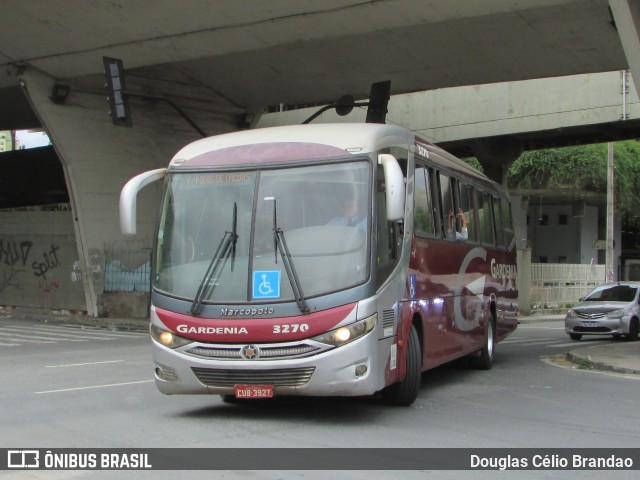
(314, 141)
(345, 138)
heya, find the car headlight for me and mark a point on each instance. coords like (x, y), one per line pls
(571, 313)
(346, 334)
(616, 313)
(167, 338)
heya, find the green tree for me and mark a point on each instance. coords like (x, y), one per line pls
(583, 168)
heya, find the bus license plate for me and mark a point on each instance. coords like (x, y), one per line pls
(254, 391)
(589, 324)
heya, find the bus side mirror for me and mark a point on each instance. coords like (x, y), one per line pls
(394, 186)
(129, 195)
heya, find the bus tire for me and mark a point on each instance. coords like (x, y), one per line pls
(484, 358)
(405, 392)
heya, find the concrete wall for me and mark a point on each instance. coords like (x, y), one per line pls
(39, 265)
(554, 240)
(575, 241)
(98, 158)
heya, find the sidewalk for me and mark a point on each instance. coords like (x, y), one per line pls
(621, 357)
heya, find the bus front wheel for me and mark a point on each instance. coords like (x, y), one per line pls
(406, 391)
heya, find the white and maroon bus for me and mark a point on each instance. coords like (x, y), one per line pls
(324, 260)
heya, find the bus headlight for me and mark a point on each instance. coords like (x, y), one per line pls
(349, 333)
(166, 338)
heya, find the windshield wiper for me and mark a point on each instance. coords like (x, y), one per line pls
(226, 247)
(280, 245)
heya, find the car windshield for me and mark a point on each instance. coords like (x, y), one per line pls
(616, 293)
(320, 210)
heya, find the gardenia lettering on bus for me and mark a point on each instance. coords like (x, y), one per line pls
(501, 270)
(212, 330)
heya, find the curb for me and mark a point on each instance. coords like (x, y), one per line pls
(589, 364)
(540, 319)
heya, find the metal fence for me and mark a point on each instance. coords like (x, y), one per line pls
(127, 266)
(560, 285)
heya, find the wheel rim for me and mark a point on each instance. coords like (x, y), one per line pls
(490, 340)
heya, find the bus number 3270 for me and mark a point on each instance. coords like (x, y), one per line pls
(291, 328)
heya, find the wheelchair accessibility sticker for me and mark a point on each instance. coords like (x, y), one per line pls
(266, 284)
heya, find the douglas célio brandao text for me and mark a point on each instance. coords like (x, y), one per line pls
(550, 461)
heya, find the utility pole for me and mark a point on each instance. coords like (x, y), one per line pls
(610, 230)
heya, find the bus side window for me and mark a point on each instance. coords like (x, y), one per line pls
(508, 225)
(423, 208)
(466, 205)
(484, 217)
(497, 216)
(446, 202)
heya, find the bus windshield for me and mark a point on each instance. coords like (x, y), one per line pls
(320, 210)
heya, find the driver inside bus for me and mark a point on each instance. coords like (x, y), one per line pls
(458, 224)
(351, 215)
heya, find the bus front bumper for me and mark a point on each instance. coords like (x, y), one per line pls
(354, 369)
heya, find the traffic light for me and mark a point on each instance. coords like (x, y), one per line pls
(118, 101)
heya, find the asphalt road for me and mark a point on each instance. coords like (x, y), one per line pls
(86, 388)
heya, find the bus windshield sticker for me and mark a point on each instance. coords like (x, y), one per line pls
(266, 284)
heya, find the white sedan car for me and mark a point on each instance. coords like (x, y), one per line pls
(609, 309)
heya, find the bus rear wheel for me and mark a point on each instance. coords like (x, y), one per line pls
(484, 358)
(405, 392)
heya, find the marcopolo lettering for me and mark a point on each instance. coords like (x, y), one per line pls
(246, 312)
(212, 330)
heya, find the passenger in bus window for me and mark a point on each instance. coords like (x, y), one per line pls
(351, 215)
(457, 225)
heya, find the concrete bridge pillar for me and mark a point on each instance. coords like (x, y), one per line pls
(98, 158)
(496, 155)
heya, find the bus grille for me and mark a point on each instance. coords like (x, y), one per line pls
(266, 353)
(288, 377)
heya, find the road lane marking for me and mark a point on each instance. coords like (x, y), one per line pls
(528, 341)
(27, 339)
(72, 330)
(535, 327)
(93, 387)
(83, 364)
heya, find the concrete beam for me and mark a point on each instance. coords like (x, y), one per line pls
(549, 111)
(626, 14)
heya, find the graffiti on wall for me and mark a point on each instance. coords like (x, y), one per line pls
(19, 257)
(47, 298)
(35, 272)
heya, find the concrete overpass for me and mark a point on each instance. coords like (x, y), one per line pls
(497, 122)
(222, 60)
